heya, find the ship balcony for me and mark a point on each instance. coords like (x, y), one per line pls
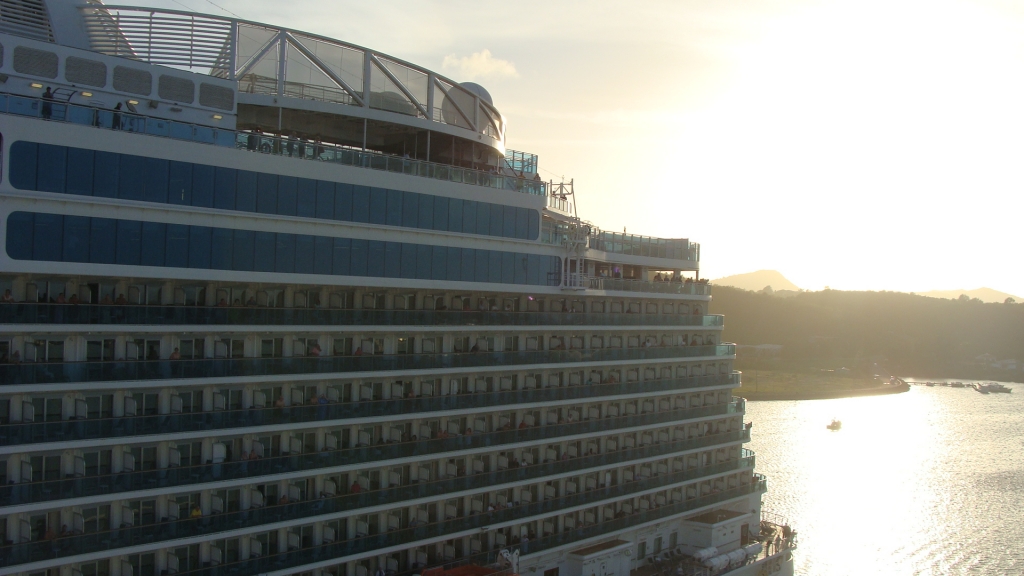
(189, 476)
(253, 518)
(85, 429)
(120, 371)
(150, 315)
(638, 285)
(297, 557)
(126, 121)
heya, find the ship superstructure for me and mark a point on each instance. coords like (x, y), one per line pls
(278, 304)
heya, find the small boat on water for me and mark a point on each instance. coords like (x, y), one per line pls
(834, 425)
(995, 388)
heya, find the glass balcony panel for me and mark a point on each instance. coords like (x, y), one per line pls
(208, 526)
(69, 372)
(41, 432)
(190, 475)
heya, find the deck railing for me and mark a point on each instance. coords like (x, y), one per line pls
(126, 121)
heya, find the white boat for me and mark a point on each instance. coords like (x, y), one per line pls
(304, 291)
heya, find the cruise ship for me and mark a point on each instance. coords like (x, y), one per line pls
(274, 303)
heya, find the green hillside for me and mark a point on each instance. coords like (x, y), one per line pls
(907, 334)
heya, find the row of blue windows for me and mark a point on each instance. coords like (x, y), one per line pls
(66, 170)
(59, 238)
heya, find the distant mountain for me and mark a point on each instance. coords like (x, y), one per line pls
(983, 294)
(758, 280)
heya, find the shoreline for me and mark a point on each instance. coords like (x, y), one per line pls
(883, 390)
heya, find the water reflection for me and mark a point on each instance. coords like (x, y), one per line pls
(926, 482)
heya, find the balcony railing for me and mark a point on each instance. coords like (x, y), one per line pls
(118, 371)
(85, 429)
(100, 314)
(251, 519)
(326, 552)
(50, 490)
(126, 121)
(625, 285)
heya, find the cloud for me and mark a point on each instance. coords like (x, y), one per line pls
(479, 65)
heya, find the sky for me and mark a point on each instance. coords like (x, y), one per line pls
(860, 145)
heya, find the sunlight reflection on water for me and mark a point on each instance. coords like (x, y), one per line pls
(928, 482)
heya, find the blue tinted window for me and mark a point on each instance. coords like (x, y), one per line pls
(324, 199)
(522, 263)
(266, 194)
(129, 238)
(378, 205)
(454, 264)
(522, 223)
(494, 266)
(358, 265)
(285, 260)
(176, 254)
(179, 183)
(469, 216)
(224, 188)
(483, 218)
(199, 246)
(222, 249)
(482, 260)
(468, 265)
(410, 209)
(266, 248)
(102, 240)
(533, 270)
(23, 165)
(393, 260)
(52, 168)
(394, 215)
(498, 220)
(157, 171)
(19, 235)
(323, 255)
(307, 198)
(360, 204)
(509, 266)
(131, 184)
(304, 254)
(375, 258)
(105, 177)
(153, 243)
(534, 224)
(553, 275)
(244, 244)
(408, 261)
(76, 239)
(440, 213)
(245, 191)
(343, 202)
(287, 195)
(439, 263)
(426, 216)
(48, 241)
(423, 254)
(342, 256)
(80, 167)
(455, 215)
(202, 185)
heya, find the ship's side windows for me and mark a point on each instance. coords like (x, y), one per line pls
(56, 238)
(61, 169)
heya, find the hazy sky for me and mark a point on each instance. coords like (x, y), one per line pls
(858, 144)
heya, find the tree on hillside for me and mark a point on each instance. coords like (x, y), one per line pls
(1009, 301)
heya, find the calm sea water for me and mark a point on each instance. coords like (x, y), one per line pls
(930, 482)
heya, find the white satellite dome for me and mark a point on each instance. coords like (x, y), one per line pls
(478, 90)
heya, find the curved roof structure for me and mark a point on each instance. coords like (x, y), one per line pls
(264, 60)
